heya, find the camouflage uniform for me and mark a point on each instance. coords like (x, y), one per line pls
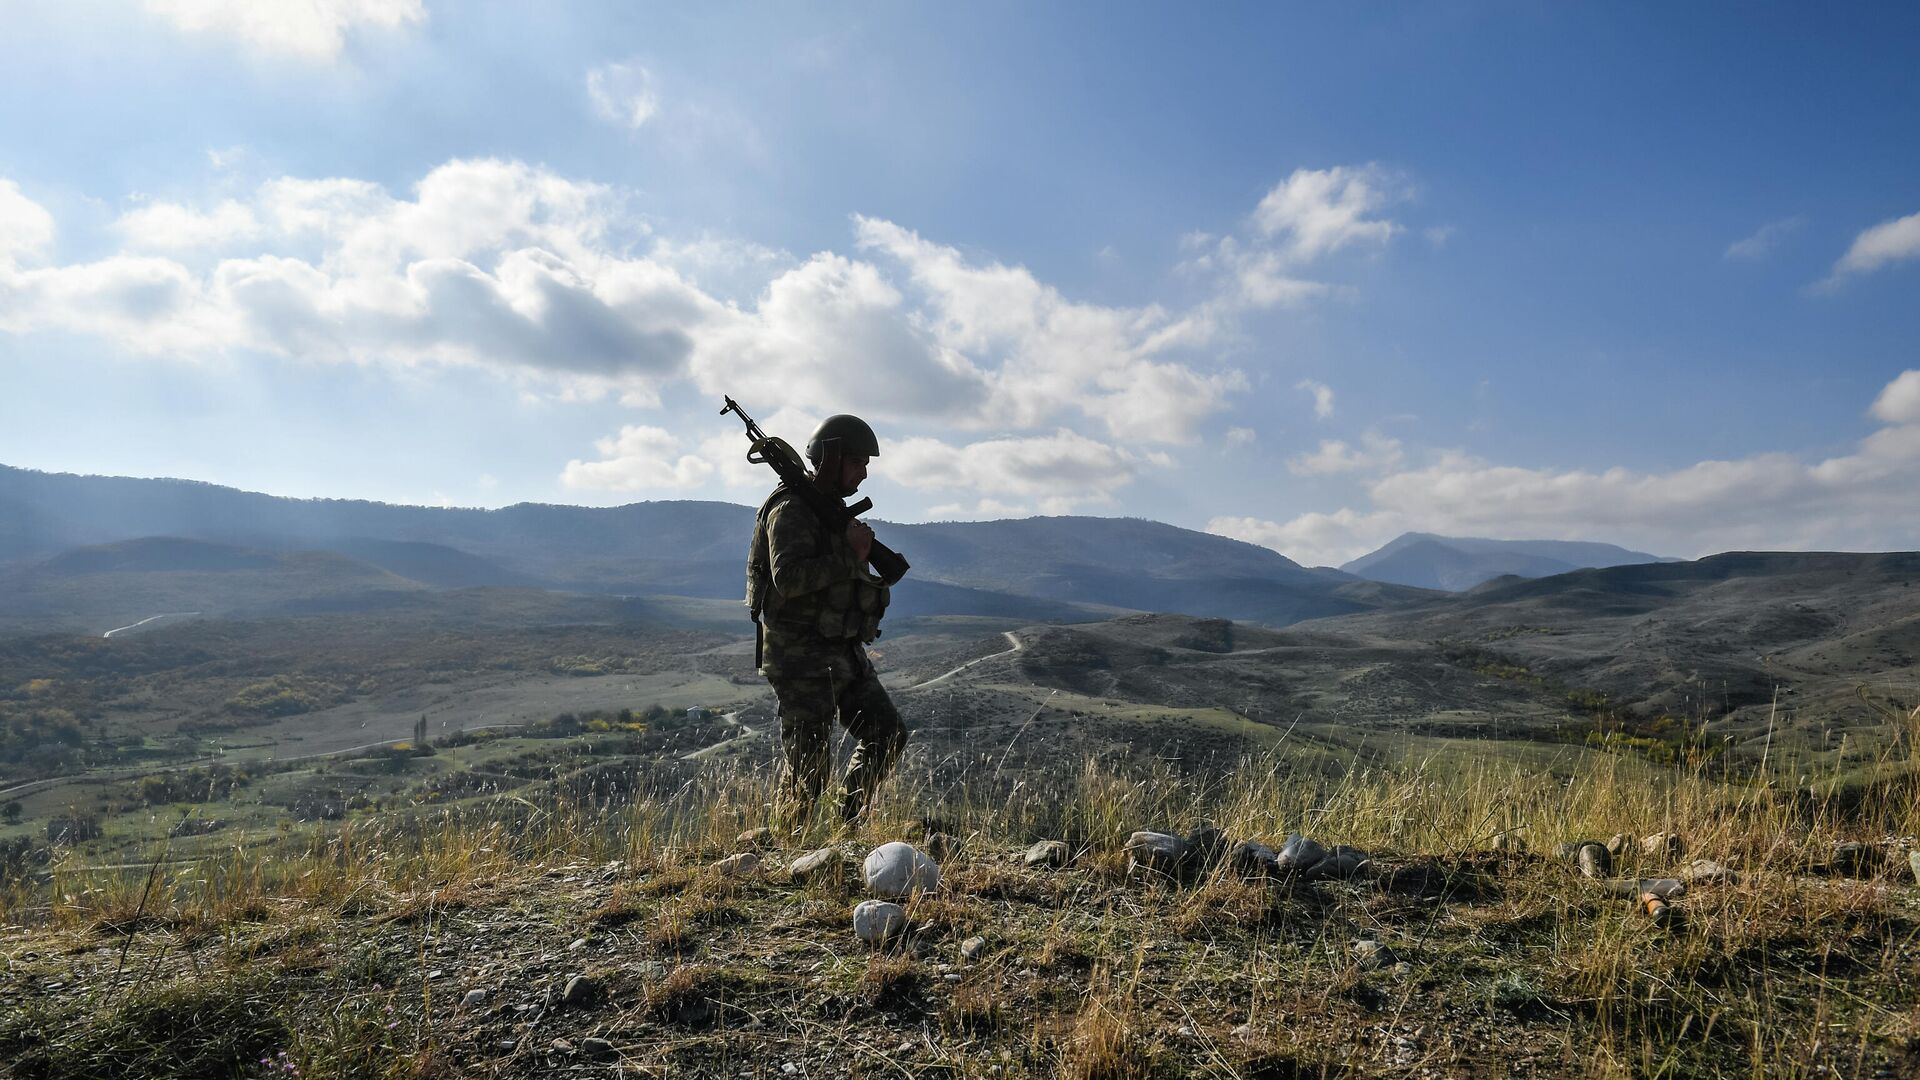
(817, 606)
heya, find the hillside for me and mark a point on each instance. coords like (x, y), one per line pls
(1037, 568)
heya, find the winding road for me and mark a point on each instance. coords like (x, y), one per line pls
(1015, 643)
(148, 619)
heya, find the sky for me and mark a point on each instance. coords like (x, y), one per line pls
(1306, 276)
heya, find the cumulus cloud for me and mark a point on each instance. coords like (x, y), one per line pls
(623, 94)
(1058, 472)
(1035, 354)
(306, 29)
(26, 229)
(638, 459)
(171, 227)
(1316, 212)
(1240, 436)
(1767, 500)
(1899, 400)
(1764, 240)
(1376, 453)
(1886, 243)
(1322, 396)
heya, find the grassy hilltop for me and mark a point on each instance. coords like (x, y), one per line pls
(444, 941)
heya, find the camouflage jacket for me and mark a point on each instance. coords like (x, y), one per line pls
(801, 580)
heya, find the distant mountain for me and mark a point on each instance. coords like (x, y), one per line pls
(1044, 568)
(1457, 563)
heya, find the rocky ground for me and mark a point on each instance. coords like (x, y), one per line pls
(674, 963)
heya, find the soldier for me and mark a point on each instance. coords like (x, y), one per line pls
(818, 604)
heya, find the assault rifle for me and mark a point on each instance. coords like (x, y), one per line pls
(833, 513)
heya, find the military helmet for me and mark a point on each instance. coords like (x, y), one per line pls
(843, 432)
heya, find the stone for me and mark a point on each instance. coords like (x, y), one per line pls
(941, 846)
(474, 998)
(1511, 843)
(1299, 853)
(755, 838)
(1253, 860)
(874, 921)
(973, 948)
(576, 944)
(898, 869)
(745, 864)
(1566, 850)
(1620, 844)
(1663, 845)
(1048, 853)
(1206, 846)
(1158, 853)
(1402, 970)
(581, 990)
(1708, 872)
(1913, 863)
(824, 863)
(1372, 954)
(1855, 859)
(1595, 861)
(597, 1048)
(1342, 862)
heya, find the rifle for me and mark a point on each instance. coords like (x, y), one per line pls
(833, 513)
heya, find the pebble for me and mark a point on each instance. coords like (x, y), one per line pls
(1708, 872)
(820, 863)
(1913, 863)
(577, 944)
(594, 1047)
(898, 869)
(1509, 842)
(745, 864)
(1250, 859)
(1048, 853)
(789, 1069)
(874, 921)
(1666, 844)
(755, 838)
(973, 948)
(1402, 969)
(580, 990)
(953, 978)
(507, 1044)
(1300, 853)
(474, 997)
(1372, 954)
(1150, 852)
(1244, 1031)
(1619, 844)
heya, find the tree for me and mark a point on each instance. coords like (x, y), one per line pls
(11, 812)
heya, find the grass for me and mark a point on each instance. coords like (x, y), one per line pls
(347, 950)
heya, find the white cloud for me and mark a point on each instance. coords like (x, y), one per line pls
(171, 227)
(1438, 236)
(1240, 436)
(1863, 498)
(1888, 242)
(638, 459)
(1039, 354)
(308, 29)
(1899, 400)
(25, 226)
(1322, 396)
(1316, 212)
(623, 94)
(1377, 453)
(1059, 471)
(1764, 240)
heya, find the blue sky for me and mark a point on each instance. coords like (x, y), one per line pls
(1306, 278)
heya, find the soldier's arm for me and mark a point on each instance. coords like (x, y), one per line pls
(799, 565)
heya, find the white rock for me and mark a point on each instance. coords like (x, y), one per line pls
(1300, 853)
(896, 869)
(875, 921)
(474, 997)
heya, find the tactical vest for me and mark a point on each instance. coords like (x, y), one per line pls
(850, 608)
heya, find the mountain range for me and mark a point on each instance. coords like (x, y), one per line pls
(1457, 563)
(88, 548)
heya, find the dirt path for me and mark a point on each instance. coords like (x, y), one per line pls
(148, 619)
(1012, 639)
(746, 732)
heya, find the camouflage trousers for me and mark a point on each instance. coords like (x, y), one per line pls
(815, 680)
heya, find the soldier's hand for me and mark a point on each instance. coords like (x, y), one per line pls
(860, 539)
